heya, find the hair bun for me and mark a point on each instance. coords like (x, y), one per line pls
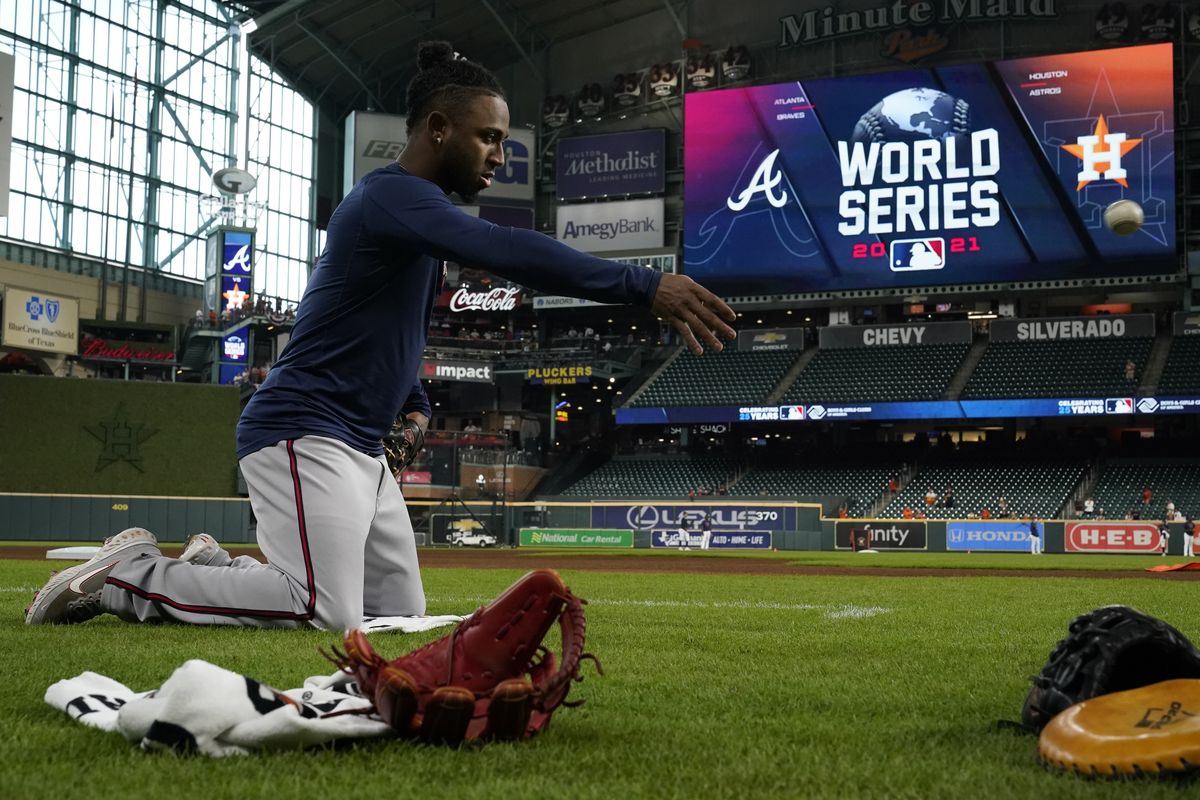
(430, 54)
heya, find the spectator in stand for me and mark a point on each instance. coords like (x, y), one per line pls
(843, 511)
(985, 514)
(1189, 534)
(948, 497)
(471, 427)
(920, 514)
(691, 494)
(907, 513)
(1089, 507)
(893, 485)
(199, 321)
(1002, 508)
(722, 489)
(1170, 509)
(212, 318)
(572, 333)
(1130, 371)
(1147, 494)
(930, 497)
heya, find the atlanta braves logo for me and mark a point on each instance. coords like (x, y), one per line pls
(766, 179)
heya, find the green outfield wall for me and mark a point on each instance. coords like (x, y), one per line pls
(101, 437)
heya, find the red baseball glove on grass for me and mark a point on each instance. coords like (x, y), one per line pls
(489, 679)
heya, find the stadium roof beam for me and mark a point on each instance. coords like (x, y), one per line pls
(342, 59)
(530, 29)
(667, 4)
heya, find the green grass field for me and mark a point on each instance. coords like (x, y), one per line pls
(715, 686)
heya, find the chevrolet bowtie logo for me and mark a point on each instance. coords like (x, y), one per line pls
(770, 338)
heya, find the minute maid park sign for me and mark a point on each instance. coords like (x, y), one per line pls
(828, 23)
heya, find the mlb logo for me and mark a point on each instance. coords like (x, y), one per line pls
(791, 412)
(1118, 405)
(908, 255)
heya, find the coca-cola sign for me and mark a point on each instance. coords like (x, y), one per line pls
(498, 299)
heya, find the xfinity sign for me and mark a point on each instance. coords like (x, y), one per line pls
(602, 227)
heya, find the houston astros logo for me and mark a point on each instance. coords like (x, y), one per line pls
(1101, 149)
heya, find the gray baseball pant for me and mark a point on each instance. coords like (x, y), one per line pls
(336, 533)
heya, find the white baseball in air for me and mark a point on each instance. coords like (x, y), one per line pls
(1124, 217)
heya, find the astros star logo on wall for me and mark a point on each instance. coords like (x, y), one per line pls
(1101, 149)
(120, 438)
(235, 296)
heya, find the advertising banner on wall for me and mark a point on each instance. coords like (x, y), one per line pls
(1186, 323)
(602, 227)
(884, 534)
(1111, 537)
(719, 540)
(372, 140)
(1059, 329)
(987, 535)
(575, 537)
(771, 339)
(442, 370)
(44, 321)
(101, 340)
(842, 336)
(964, 174)
(673, 517)
(610, 164)
(561, 375)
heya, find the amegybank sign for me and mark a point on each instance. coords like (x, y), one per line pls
(604, 227)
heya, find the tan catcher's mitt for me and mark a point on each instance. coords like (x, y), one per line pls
(489, 679)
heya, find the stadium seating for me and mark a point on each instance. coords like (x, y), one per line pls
(1040, 488)
(1073, 368)
(725, 378)
(652, 477)
(1181, 375)
(877, 374)
(1119, 488)
(862, 485)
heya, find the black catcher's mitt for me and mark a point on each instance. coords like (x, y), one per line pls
(1111, 649)
(402, 444)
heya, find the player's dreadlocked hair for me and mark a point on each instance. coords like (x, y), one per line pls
(445, 82)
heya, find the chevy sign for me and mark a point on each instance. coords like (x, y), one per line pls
(602, 227)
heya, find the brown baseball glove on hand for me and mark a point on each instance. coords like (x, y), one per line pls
(402, 444)
(489, 679)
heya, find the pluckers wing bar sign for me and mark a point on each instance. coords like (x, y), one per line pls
(824, 24)
(560, 375)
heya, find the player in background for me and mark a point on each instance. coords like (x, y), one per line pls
(331, 520)
(1035, 537)
(1164, 537)
(706, 532)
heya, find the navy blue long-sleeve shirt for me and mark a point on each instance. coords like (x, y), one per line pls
(351, 364)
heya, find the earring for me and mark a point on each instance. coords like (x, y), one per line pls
(438, 139)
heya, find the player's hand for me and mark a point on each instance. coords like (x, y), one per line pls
(698, 314)
(420, 419)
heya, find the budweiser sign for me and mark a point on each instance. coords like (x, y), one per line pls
(126, 351)
(497, 299)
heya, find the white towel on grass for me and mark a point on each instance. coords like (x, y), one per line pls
(206, 709)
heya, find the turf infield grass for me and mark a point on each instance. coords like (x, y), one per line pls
(721, 686)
